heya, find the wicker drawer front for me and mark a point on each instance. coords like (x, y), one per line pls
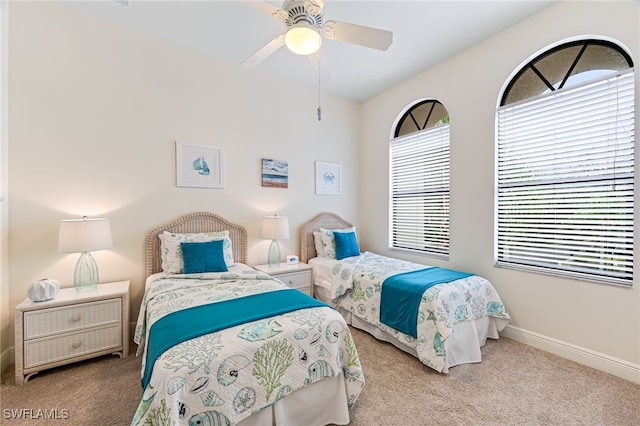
(297, 280)
(46, 322)
(53, 349)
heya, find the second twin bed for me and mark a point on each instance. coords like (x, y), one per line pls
(454, 317)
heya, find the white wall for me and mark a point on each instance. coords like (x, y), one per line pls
(6, 310)
(94, 113)
(598, 321)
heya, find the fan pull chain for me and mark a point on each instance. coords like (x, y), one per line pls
(319, 109)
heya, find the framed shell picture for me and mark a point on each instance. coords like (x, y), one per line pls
(328, 178)
(199, 166)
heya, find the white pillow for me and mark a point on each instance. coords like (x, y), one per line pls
(171, 251)
(329, 242)
(317, 241)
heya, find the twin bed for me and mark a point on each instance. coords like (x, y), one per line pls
(454, 318)
(222, 343)
(236, 346)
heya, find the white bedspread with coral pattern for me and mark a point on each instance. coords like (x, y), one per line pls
(357, 283)
(224, 377)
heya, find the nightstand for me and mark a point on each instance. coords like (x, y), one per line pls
(296, 276)
(71, 327)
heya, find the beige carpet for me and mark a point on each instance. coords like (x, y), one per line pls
(514, 385)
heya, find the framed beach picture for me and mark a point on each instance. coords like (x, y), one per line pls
(328, 178)
(275, 173)
(199, 166)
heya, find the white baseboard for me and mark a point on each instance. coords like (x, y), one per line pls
(7, 358)
(617, 367)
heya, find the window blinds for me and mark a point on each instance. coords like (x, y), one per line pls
(420, 191)
(566, 181)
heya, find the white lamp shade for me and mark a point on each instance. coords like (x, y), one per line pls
(84, 235)
(303, 39)
(274, 227)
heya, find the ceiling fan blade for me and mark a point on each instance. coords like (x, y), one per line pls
(320, 67)
(264, 52)
(267, 8)
(314, 7)
(358, 34)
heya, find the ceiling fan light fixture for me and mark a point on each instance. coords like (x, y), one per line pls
(303, 40)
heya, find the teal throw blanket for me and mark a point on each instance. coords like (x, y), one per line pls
(190, 323)
(401, 295)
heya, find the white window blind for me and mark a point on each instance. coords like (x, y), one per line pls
(420, 191)
(566, 181)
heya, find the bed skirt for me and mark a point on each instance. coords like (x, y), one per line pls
(329, 407)
(462, 347)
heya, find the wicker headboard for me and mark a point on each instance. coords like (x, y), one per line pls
(191, 223)
(323, 220)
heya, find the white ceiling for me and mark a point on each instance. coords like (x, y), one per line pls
(425, 33)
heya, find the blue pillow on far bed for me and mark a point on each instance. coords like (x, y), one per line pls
(203, 257)
(346, 244)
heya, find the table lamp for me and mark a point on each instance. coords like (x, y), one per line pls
(84, 236)
(274, 228)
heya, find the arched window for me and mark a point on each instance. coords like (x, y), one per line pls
(565, 164)
(419, 180)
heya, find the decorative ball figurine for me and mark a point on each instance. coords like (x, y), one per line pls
(44, 289)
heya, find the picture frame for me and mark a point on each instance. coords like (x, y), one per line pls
(199, 166)
(275, 173)
(328, 178)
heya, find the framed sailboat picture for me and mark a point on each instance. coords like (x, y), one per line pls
(199, 166)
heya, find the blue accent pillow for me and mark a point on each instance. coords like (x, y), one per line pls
(203, 257)
(346, 244)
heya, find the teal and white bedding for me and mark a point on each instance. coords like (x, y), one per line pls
(356, 286)
(225, 376)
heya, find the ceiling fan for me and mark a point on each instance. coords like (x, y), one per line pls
(305, 26)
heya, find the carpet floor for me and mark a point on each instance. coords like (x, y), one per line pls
(515, 384)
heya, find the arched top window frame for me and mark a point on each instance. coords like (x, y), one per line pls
(420, 116)
(618, 60)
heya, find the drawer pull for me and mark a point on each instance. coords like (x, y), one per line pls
(75, 318)
(75, 344)
(290, 281)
